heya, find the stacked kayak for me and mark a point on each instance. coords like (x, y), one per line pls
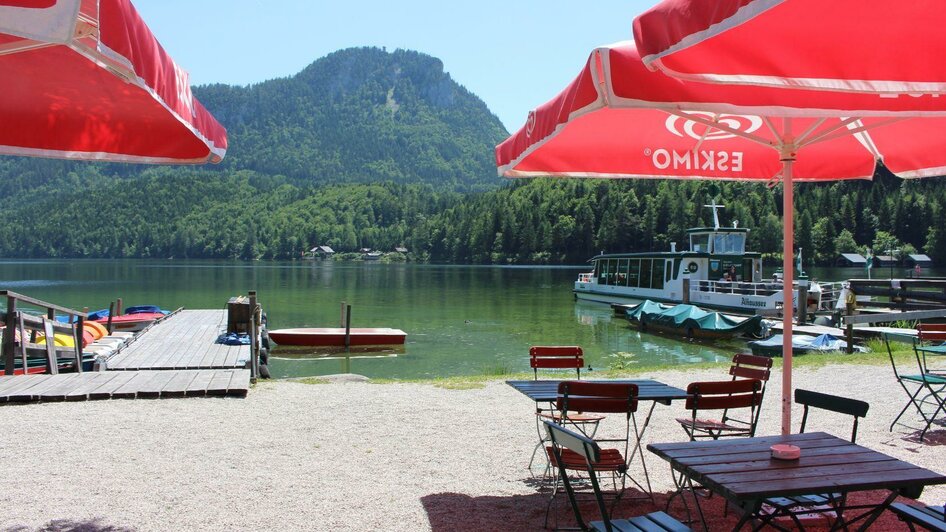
(691, 321)
(133, 320)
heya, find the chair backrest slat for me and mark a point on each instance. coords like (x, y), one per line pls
(832, 403)
(598, 397)
(556, 357)
(751, 367)
(720, 395)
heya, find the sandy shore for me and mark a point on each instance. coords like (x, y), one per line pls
(343, 456)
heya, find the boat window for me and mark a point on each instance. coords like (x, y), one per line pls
(622, 272)
(646, 265)
(729, 243)
(597, 272)
(658, 274)
(699, 243)
(603, 271)
(634, 272)
(671, 271)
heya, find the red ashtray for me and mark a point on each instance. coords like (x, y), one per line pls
(785, 452)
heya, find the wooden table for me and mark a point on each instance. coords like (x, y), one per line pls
(545, 391)
(742, 471)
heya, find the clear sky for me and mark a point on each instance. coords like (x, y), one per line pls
(514, 54)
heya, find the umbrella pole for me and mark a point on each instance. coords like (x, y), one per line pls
(788, 239)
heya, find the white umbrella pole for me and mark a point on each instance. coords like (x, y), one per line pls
(788, 239)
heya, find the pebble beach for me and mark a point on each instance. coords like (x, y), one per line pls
(350, 455)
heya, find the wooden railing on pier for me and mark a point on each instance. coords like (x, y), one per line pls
(18, 321)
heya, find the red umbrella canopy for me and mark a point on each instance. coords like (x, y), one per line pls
(617, 119)
(86, 79)
(843, 45)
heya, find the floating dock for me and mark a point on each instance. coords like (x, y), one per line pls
(177, 357)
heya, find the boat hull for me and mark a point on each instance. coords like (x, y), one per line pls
(132, 322)
(336, 336)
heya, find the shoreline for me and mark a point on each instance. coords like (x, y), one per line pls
(352, 455)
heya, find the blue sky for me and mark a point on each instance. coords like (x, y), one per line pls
(514, 54)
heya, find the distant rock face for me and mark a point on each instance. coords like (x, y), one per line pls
(361, 115)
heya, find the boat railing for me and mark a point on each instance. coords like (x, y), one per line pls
(585, 277)
(739, 287)
(830, 294)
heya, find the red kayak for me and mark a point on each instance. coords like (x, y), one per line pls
(132, 322)
(336, 336)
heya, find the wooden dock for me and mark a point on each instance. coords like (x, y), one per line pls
(177, 357)
(186, 340)
(124, 385)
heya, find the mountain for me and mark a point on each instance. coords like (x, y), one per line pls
(361, 115)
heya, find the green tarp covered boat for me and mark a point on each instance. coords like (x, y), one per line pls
(691, 321)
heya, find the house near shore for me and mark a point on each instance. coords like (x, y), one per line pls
(851, 259)
(371, 255)
(885, 260)
(322, 252)
(400, 250)
(918, 259)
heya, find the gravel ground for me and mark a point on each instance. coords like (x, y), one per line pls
(344, 456)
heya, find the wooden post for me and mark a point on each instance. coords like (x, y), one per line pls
(254, 339)
(80, 324)
(52, 361)
(118, 307)
(347, 327)
(802, 302)
(686, 291)
(9, 354)
(849, 333)
(111, 312)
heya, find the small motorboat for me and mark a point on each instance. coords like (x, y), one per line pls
(691, 321)
(801, 344)
(336, 336)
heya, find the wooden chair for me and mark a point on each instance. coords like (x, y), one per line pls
(580, 446)
(834, 502)
(606, 398)
(561, 357)
(725, 396)
(922, 381)
(928, 517)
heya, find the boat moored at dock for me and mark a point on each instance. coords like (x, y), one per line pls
(716, 272)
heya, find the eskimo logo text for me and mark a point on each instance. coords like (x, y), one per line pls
(703, 159)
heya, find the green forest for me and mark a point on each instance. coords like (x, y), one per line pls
(373, 149)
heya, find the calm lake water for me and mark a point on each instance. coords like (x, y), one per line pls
(460, 320)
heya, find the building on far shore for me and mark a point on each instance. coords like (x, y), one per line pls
(851, 259)
(918, 259)
(400, 249)
(885, 260)
(322, 252)
(371, 255)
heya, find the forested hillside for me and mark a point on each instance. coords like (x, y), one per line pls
(366, 148)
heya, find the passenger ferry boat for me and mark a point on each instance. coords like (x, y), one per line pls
(629, 278)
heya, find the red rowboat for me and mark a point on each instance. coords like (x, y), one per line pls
(336, 336)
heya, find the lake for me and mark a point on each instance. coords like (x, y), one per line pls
(460, 320)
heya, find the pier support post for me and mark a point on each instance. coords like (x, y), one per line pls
(686, 291)
(254, 338)
(849, 327)
(802, 302)
(9, 353)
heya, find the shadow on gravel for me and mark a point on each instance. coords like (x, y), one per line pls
(68, 525)
(460, 512)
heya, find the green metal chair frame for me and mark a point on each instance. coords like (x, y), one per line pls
(583, 446)
(934, 385)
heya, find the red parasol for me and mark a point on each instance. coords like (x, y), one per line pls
(617, 119)
(86, 79)
(840, 45)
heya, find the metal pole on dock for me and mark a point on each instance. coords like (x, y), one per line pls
(347, 327)
(254, 339)
(849, 327)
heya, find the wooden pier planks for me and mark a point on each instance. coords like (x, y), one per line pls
(186, 340)
(125, 384)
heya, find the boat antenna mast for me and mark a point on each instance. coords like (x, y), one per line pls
(715, 206)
